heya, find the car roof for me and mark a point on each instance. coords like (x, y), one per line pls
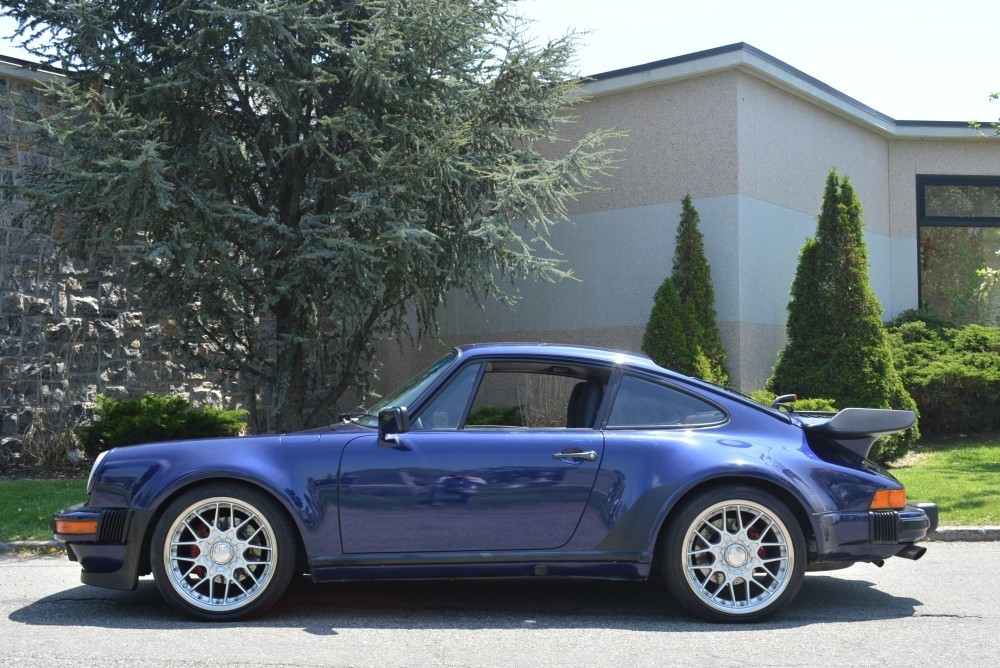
(548, 350)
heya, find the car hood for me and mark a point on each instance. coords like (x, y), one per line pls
(169, 449)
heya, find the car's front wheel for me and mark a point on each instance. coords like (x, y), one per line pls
(734, 554)
(223, 552)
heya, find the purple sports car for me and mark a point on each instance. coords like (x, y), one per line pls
(509, 460)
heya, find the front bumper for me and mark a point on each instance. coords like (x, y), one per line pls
(873, 535)
(110, 556)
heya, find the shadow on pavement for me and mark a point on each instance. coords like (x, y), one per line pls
(320, 609)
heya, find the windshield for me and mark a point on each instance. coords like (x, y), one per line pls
(410, 391)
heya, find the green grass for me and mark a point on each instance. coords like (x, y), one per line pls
(26, 506)
(962, 477)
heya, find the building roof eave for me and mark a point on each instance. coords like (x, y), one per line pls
(26, 70)
(751, 60)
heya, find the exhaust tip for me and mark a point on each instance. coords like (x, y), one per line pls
(912, 551)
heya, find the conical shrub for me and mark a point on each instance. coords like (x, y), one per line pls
(837, 344)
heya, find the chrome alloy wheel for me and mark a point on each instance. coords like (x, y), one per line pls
(738, 558)
(220, 554)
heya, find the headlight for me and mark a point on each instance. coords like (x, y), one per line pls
(93, 470)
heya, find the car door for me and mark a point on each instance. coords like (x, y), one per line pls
(489, 464)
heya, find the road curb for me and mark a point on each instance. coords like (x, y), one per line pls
(941, 534)
(965, 534)
(21, 545)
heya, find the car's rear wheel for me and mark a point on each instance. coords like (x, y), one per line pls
(734, 554)
(223, 552)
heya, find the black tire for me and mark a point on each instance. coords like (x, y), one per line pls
(223, 552)
(744, 573)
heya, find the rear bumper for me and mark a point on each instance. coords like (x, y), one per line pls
(873, 535)
(110, 556)
(915, 522)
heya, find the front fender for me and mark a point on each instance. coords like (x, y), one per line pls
(300, 474)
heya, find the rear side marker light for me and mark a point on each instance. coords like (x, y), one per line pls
(78, 527)
(889, 499)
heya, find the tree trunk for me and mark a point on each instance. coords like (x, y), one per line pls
(289, 392)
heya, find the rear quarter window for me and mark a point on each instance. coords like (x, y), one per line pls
(643, 404)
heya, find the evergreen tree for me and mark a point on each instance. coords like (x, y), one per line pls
(692, 277)
(299, 179)
(837, 344)
(664, 339)
(670, 338)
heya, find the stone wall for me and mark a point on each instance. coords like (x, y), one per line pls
(69, 329)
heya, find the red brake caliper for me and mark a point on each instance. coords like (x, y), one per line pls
(753, 534)
(202, 531)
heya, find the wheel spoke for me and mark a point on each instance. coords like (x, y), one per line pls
(754, 521)
(236, 581)
(253, 577)
(254, 534)
(198, 514)
(763, 585)
(191, 529)
(227, 585)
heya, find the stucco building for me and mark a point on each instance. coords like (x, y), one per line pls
(751, 139)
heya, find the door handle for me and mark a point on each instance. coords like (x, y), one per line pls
(589, 455)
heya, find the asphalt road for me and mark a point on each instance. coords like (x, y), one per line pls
(942, 610)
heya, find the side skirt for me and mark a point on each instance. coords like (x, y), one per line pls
(604, 565)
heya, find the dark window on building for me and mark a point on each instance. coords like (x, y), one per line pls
(958, 223)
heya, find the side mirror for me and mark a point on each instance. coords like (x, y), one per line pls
(785, 401)
(392, 422)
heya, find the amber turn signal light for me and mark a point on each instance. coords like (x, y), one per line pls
(889, 499)
(76, 526)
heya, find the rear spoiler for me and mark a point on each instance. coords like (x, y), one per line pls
(857, 429)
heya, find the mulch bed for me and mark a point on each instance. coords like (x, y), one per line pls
(44, 472)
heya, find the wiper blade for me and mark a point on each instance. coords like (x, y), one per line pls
(358, 412)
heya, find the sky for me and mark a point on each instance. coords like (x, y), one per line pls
(909, 59)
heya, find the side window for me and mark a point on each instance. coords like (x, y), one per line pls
(538, 395)
(445, 410)
(643, 404)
